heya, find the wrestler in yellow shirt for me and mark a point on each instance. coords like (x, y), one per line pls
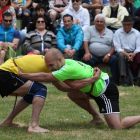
(27, 64)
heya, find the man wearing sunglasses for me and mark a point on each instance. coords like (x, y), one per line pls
(80, 14)
(9, 37)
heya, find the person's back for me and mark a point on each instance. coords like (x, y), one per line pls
(27, 63)
(77, 70)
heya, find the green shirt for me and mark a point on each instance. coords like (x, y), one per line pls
(77, 70)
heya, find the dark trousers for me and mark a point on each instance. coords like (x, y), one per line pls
(113, 63)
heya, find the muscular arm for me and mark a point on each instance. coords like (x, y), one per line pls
(39, 77)
(78, 84)
(74, 84)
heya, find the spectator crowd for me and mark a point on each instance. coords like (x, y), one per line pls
(91, 31)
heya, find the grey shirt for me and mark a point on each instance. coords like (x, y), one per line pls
(99, 45)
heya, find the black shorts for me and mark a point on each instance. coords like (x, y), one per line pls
(108, 102)
(9, 82)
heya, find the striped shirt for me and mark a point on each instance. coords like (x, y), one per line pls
(33, 41)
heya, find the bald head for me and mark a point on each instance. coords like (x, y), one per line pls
(54, 59)
(54, 54)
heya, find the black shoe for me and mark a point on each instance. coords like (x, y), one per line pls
(125, 85)
(124, 81)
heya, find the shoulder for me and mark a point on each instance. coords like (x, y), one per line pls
(106, 7)
(122, 8)
(109, 31)
(119, 31)
(136, 31)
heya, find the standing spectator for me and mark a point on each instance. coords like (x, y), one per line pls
(41, 10)
(22, 9)
(114, 15)
(99, 47)
(39, 40)
(9, 37)
(80, 15)
(127, 45)
(57, 8)
(70, 38)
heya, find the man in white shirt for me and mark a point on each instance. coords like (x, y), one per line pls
(80, 14)
(127, 45)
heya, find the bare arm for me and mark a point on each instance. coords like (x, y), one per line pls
(78, 84)
(39, 77)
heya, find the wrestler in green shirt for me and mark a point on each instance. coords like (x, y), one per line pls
(77, 70)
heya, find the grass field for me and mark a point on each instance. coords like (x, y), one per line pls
(66, 121)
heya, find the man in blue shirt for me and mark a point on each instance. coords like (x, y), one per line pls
(9, 37)
(70, 39)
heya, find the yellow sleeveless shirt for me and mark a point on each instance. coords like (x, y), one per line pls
(27, 64)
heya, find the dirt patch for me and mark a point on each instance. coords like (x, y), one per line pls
(123, 93)
(59, 132)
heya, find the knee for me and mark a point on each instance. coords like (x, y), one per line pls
(121, 56)
(61, 14)
(2, 54)
(53, 14)
(97, 11)
(26, 14)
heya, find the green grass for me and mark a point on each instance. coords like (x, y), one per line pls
(66, 121)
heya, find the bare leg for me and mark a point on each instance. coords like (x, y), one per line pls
(80, 99)
(2, 56)
(38, 103)
(53, 15)
(115, 122)
(18, 108)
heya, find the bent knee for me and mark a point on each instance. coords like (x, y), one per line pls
(26, 14)
(2, 53)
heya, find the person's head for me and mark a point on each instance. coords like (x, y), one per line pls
(114, 3)
(7, 19)
(40, 9)
(68, 21)
(99, 22)
(76, 4)
(127, 23)
(54, 59)
(129, 1)
(40, 22)
(4, 3)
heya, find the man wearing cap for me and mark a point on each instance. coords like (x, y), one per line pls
(127, 45)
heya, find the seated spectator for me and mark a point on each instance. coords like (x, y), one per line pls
(99, 48)
(137, 19)
(39, 40)
(131, 10)
(9, 37)
(92, 6)
(80, 15)
(70, 38)
(5, 6)
(22, 9)
(35, 4)
(106, 2)
(127, 45)
(136, 3)
(114, 15)
(57, 8)
(41, 10)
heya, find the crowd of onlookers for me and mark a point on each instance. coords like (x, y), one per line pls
(113, 39)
